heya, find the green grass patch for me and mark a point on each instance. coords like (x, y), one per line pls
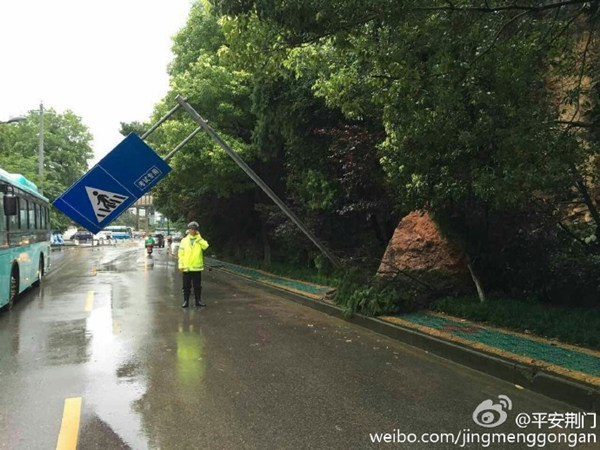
(578, 326)
(309, 274)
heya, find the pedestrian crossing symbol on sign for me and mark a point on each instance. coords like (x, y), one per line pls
(104, 202)
(114, 184)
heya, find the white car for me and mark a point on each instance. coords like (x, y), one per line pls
(103, 236)
(175, 244)
(56, 238)
(67, 235)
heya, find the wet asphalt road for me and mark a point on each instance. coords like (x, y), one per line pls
(252, 370)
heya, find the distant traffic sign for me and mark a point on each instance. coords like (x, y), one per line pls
(112, 185)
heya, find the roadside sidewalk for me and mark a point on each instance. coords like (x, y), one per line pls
(561, 371)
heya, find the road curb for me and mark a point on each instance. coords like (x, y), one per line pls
(529, 377)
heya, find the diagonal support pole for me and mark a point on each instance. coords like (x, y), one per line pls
(160, 122)
(240, 162)
(182, 143)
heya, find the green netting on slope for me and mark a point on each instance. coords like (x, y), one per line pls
(270, 278)
(570, 359)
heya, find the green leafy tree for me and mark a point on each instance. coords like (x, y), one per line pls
(205, 184)
(483, 113)
(127, 219)
(273, 120)
(481, 103)
(133, 127)
(66, 152)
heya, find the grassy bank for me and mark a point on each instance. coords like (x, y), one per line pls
(309, 274)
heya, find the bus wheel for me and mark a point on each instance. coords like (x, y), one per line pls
(40, 272)
(14, 288)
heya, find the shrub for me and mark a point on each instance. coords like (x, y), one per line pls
(358, 294)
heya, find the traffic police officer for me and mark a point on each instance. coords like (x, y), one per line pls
(191, 263)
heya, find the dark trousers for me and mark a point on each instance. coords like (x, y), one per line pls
(192, 279)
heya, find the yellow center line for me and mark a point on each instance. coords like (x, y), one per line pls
(89, 301)
(94, 270)
(69, 428)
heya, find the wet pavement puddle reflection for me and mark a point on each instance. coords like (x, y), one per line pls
(114, 384)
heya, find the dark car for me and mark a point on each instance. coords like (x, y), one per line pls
(159, 240)
(82, 236)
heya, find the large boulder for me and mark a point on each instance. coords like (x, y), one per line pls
(422, 258)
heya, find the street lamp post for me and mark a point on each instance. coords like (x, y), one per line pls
(14, 120)
(41, 143)
(41, 149)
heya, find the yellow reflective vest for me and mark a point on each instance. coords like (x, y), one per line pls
(190, 253)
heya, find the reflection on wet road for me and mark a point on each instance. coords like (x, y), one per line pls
(252, 370)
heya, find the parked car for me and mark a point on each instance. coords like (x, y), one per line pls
(82, 236)
(175, 244)
(56, 238)
(67, 235)
(103, 236)
(159, 240)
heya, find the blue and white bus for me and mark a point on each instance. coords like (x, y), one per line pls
(120, 232)
(24, 236)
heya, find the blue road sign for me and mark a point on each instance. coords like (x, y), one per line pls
(113, 185)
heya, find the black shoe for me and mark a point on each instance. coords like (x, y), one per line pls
(200, 305)
(185, 304)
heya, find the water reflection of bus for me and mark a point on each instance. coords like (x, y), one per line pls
(120, 232)
(24, 236)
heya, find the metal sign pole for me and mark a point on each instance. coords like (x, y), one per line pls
(182, 143)
(159, 123)
(240, 162)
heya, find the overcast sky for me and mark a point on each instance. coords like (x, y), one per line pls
(104, 60)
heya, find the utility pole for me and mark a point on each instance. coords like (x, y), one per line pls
(41, 150)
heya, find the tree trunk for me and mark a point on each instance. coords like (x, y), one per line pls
(590, 204)
(478, 285)
(266, 244)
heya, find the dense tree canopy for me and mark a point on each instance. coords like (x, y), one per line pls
(356, 112)
(66, 152)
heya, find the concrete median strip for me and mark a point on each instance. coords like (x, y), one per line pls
(564, 372)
